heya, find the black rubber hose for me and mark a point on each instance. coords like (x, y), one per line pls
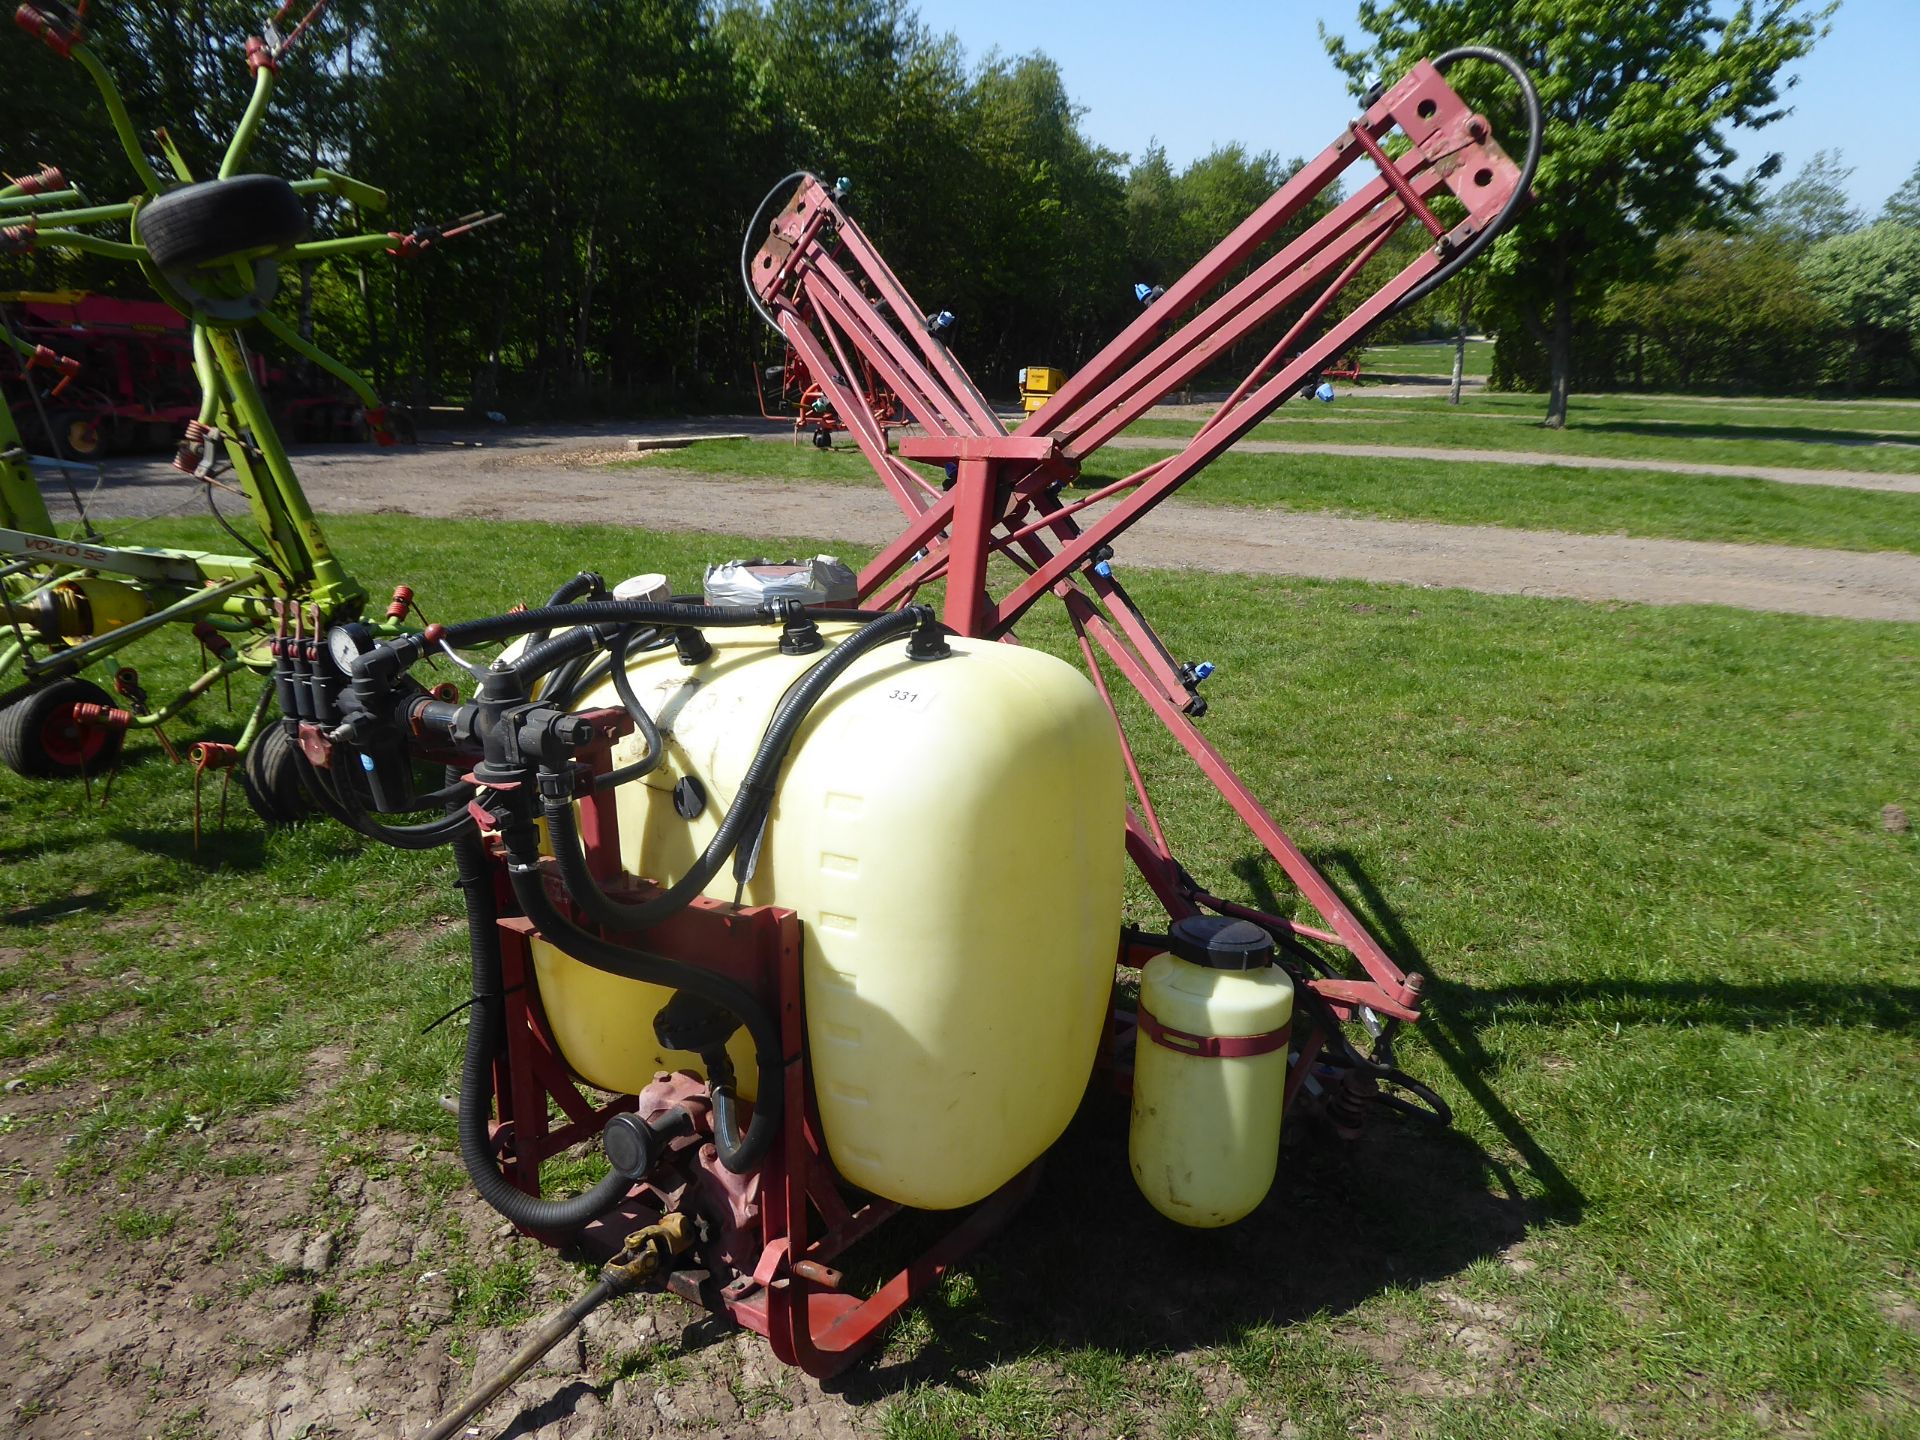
(485, 1034)
(1522, 193)
(747, 247)
(429, 835)
(649, 731)
(601, 612)
(637, 612)
(548, 655)
(332, 798)
(739, 1156)
(585, 583)
(749, 803)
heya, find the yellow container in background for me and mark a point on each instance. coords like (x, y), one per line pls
(1038, 384)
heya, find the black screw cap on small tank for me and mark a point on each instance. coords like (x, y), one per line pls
(1221, 943)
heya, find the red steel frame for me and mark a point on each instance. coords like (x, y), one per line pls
(786, 1288)
(842, 309)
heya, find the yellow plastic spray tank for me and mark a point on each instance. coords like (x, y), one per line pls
(951, 834)
(1210, 1072)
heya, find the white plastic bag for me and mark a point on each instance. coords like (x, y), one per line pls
(748, 584)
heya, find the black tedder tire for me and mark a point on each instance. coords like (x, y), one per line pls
(210, 221)
(270, 774)
(40, 740)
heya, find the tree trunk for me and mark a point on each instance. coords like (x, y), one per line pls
(1560, 360)
(1459, 352)
(582, 333)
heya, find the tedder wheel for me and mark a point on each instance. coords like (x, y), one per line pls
(270, 774)
(40, 739)
(216, 219)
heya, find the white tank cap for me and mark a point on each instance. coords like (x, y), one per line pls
(644, 587)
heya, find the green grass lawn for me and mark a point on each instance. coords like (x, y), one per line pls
(1805, 435)
(1527, 497)
(1675, 1008)
(1432, 357)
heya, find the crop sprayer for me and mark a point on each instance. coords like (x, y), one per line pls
(213, 250)
(809, 911)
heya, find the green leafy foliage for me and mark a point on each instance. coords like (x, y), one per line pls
(1870, 280)
(1725, 310)
(1903, 206)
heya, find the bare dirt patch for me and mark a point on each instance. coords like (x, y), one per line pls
(292, 1300)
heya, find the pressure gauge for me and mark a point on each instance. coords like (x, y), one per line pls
(347, 643)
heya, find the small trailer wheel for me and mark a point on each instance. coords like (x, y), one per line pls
(216, 219)
(40, 739)
(270, 774)
(84, 439)
(823, 439)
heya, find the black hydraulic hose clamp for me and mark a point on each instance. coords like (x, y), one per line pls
(929, 641)
(800, 636)
(692, 647)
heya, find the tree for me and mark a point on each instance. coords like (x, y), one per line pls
(1813, 206)
(1869, 280)
(1638, 101)
(1724, 310)
(1903, 206)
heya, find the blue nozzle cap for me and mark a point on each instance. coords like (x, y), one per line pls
(1103, 570)
(366, 763)
(1202, 671)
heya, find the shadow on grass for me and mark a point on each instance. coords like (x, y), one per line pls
(1088, 1264)
(1694, 1003)
(240, 848)
(1448, 1027)
(1790, 434)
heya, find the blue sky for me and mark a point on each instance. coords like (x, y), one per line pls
(1200, 73)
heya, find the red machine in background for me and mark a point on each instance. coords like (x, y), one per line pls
(136, 388)
(808, 405)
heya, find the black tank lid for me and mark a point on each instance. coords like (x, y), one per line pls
(1221, 943)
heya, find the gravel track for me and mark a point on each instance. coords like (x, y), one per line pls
(562, 475)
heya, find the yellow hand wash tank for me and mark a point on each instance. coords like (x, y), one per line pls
(1210, 1072)
(951, 835)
